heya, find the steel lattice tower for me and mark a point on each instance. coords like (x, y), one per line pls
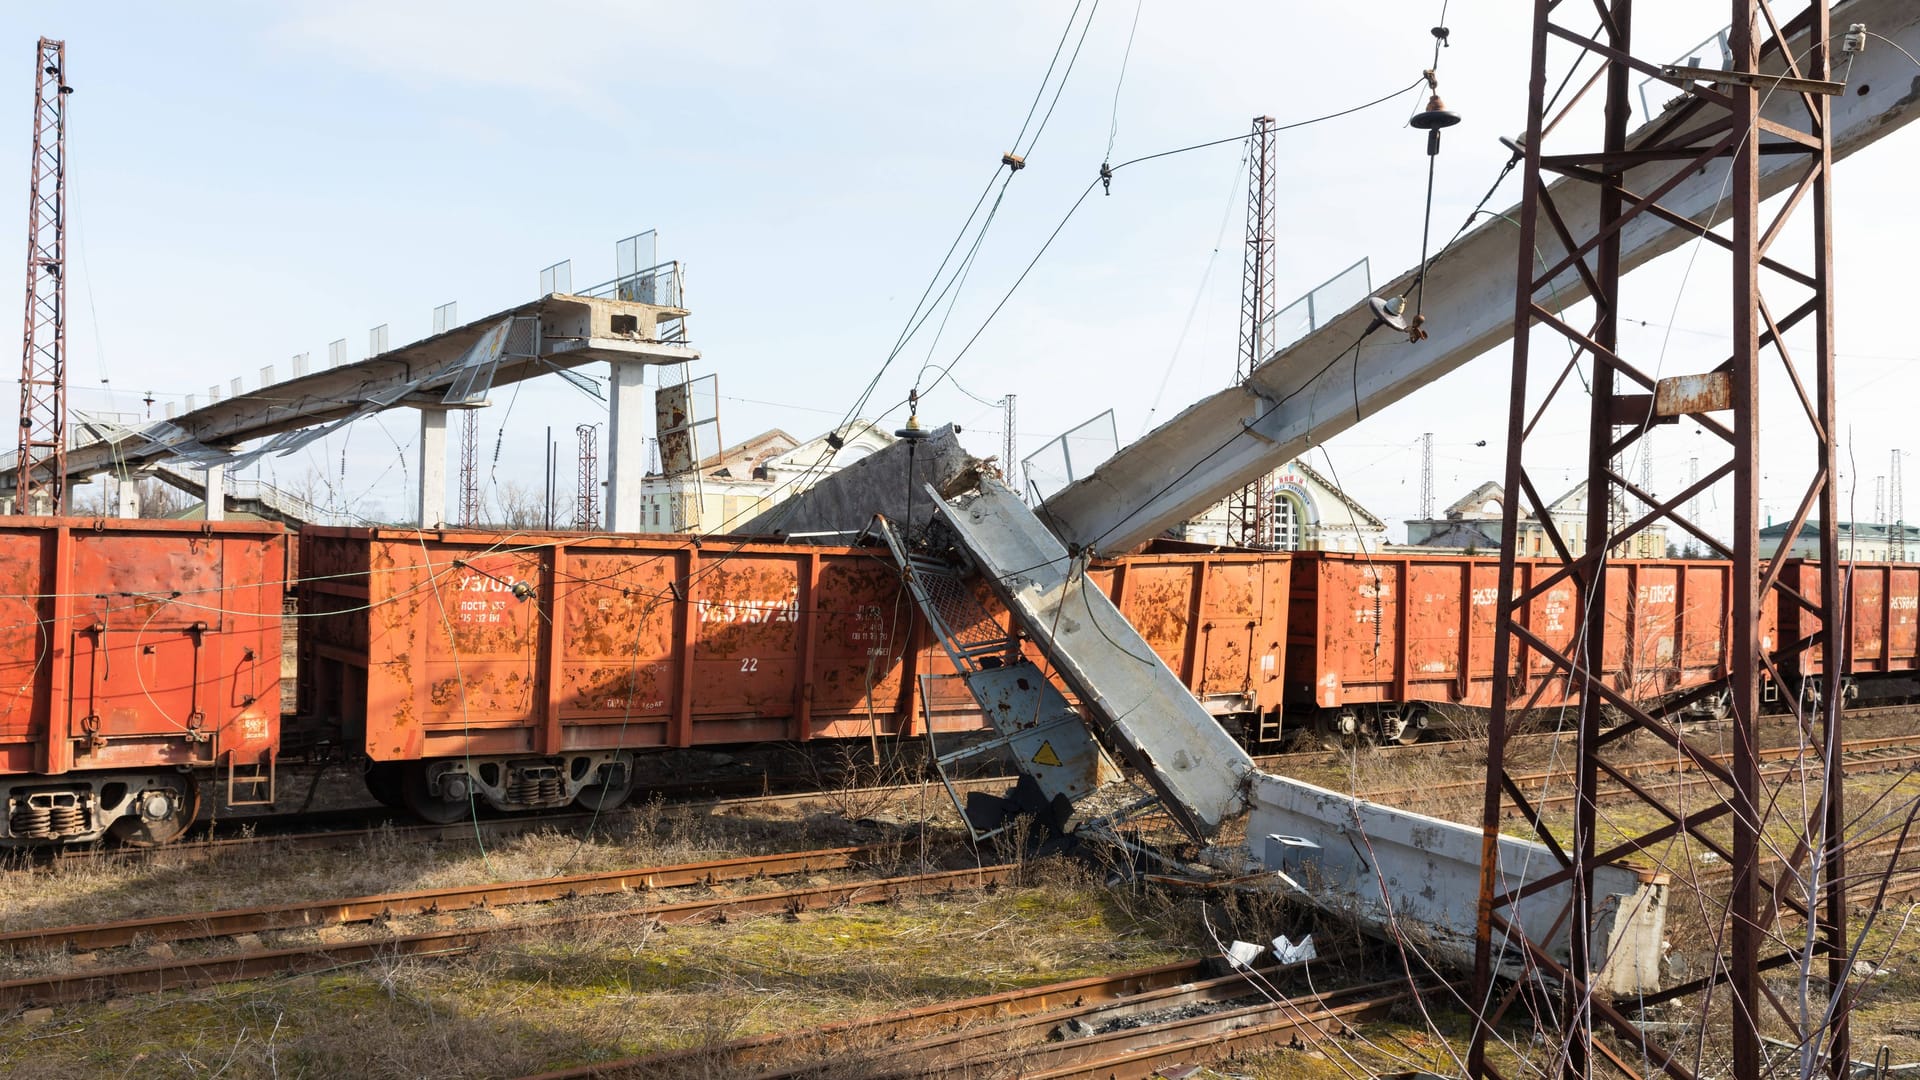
(1896, 514)
(42, 459)
(1250, 511)
(470, 467)
(586, 497)
(1553, 614)
(1426, 475)
(1009, 446)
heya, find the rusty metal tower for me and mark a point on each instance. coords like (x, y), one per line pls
(1896, 514)
(42, 461)
(586, 497)
(1250, 511)
(1010, 444)
(1762, 123)
(470, 467)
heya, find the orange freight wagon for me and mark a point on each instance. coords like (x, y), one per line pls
(1383, 644)
(526, 669)
(1218, 619)
(1883, 664)
(140, 660)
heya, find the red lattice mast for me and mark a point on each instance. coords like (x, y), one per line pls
(470, 467)
(42, 461)
(586, 497)
(1250, 510)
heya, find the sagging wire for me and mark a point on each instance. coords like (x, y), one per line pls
(1105, 177)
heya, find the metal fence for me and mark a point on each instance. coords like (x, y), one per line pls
(659, 285)
(1321, 303)
(1069, 457)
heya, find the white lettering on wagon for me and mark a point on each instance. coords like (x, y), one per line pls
(470, 608)
(748, 611)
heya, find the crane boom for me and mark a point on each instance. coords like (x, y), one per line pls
(1332, 378)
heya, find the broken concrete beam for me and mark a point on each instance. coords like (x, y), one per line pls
(1406, 874)
(843, 503)
(1124, 687)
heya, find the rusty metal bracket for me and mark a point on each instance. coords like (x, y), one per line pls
(1744, 78)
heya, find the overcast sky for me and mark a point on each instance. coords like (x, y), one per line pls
(252, 181)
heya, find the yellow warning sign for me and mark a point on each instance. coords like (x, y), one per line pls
(1046, 756)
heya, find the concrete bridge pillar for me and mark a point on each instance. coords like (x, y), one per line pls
(628, 406)
(216, 492)
(127, 496)
(432, 504)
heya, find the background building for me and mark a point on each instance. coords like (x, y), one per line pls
(1861, 541)
(730, 487)
(1310, 514)
(1472, 524)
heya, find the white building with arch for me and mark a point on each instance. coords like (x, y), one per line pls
(1309, 513)
(733, 486)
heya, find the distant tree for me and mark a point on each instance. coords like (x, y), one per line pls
(517, 506)
(158, 499)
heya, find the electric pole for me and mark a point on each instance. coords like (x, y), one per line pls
(470, 467)
(1897, 534)
(42, 481)
(586, 495)
(1250, 511)
(1426, 475)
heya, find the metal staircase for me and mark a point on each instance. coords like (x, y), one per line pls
(1035, 724)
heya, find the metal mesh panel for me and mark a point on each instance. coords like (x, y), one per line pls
(1321, 304)
(965, 622)
(1070, 456)
(474, 377)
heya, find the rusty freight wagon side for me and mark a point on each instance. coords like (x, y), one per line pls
(141, 660)
(1384, 645)
(527, 669)
(1883, 662)
(1218, 619)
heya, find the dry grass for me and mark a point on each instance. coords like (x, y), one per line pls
(649, 834)
(614, 989)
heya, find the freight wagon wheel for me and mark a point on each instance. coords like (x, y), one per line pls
(600, 794)
(384, 783)
(1412, 726)
(160, 813)
(426, 804)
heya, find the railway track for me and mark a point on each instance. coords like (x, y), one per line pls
(296, 830)
(1448, 744)
(172, 973)
(1889, 753)
(364, 909)
(1129, 1025)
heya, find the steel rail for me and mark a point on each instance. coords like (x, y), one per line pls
(1139, 1053)
(1444, 744)
(946, 1039)
(316, 913)
(786, 1048)
(1859, 748)
(386, 824)
(959, 1050)
(77, 986)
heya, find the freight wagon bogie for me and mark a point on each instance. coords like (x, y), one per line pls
(135, 807)
(446, 791)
